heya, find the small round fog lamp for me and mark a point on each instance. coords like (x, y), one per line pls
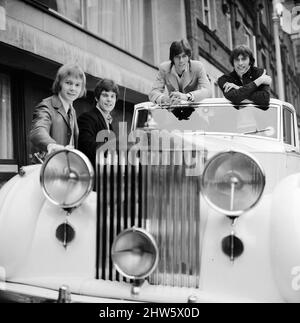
(67, 178)
(232, 182)
(135, 253)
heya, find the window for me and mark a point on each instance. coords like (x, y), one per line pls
(264, 59)
(72, 10)
(209, 14)
(273, 85)
(229, 30)
(249, 39)
(263, 13)
(6, 133)
(288, 127)
(287, 56)
(206, 13)
(247, 35)
(126, 24)
(298, 53)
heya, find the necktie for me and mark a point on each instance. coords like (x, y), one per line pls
(71, 123)
(70, 117)
(109, 118)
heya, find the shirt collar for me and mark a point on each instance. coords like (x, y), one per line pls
(106, 116)
(249, 71)
(65, 104)
(173, 70)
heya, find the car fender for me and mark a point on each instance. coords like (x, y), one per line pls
(29, 221)
(285, 237)
(21, 200)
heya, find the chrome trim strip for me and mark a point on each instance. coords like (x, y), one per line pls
(8, 168)
(107, 216)
(136, 196)
(100, 206)
(114, 205)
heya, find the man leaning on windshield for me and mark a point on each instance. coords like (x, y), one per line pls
(245, 81)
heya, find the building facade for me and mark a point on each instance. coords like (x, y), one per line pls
(290, 37)
(214, 27)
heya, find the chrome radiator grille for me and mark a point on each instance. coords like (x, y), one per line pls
(154, 194)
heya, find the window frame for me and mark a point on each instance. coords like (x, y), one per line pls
(229, 30)
(83, 28)
(247, 35)
(293, 142)
(82, 12)
(298, 53)
(264, 59)
(10, 166)
(7, 161)
(206, 8)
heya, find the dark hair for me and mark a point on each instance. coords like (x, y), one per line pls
(178, 47)
(106, 85)
(69, 70)
(243, 50)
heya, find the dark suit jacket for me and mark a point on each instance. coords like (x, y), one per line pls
(90, 123)
(50, 124)
(248, 89)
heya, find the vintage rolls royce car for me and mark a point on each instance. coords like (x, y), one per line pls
(199, 203)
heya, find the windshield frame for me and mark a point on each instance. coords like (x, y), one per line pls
(150, 106)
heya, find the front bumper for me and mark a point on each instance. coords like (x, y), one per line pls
(20, 293)
(100, 291)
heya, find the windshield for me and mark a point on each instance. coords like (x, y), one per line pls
(248, 120)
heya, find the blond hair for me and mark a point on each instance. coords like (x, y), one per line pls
(69, 70)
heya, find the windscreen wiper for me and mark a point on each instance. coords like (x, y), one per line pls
(270, 129)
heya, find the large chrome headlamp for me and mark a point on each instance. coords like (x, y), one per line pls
(67, 178)
(135, 253)
(232, 182)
